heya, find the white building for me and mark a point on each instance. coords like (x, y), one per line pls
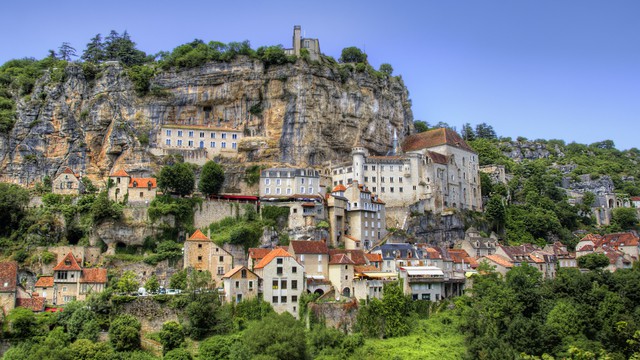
(282, 279)
(197, 143)
(422, 282)
(286, 182)
(436, 167)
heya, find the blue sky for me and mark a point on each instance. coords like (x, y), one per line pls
(545, 69)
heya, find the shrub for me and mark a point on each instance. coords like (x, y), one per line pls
(141, 76)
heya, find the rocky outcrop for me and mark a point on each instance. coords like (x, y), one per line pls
(529, 150)
(440, 229)
(300, 114)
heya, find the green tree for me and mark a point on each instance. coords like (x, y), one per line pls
(625, 218)
(353, 55)
(124, 333)
(83, 349)
(495, 212)
(420, 126)
(386, 69)
(152, 284)
(171, 336)
(467, 132)
(178, 280)
(95, 50)
(23, 323)
(177, 179)
(484, 131)
(178, 354)
(83, 324)
(272, 55)
(13, 201)
(121, 48)
(105, 209)
(198, 280)
(66, 51)
(127, 282)
(218, 347)
(593, 261)
(211, 178)
(206, 316)
(277, 336)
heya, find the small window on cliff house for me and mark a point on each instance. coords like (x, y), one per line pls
(135, 184)
(224, 135)
(141, 194)
(149, 185)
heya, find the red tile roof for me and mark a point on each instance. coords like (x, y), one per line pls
(365, 268)
(500, 260)
(373, 257)
(44, 281)
(432, 138)
(357, 256)
(621, 239)
(308, 247)
(339, 187)
(437, 158)
(68, 263)
(340, 259)
(198, 236)
(635, 198)
(459, 255)
(8, 275)
(258, 253)
(143, 182)
(35, 303)
(94, 276)
(119, 173)
(67, 170)
(272, 255)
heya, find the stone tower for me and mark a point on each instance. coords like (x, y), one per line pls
(359, 153)
(296, 40)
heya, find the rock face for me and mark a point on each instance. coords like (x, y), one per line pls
(521, 150)
(299, 114)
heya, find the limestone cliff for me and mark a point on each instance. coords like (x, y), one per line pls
(301, 114)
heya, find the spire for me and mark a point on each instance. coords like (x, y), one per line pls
(395, 143)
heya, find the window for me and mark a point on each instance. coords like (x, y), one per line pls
(180, 142)
(199, 246)
(391, 189)
(278, 182)
(212, 144)
(278, 191)
(61, 275)
(180, 133)
(310, 190)
(283, 284)
(288, 191)
(220, 270)
(366, 179)
(366, 167)
(213, 135)
(382, 189)
(301, 189)
(294, 299)
(391, 179)
(199, 258)
(243, 274)
(278, 260)
(373, 179)
(237, 284)
(234, 136)
(221, 258)
(168, 132)
(283, 299)
(190, 143)
(274, 300)
(190, 133)
(267, 191)
(223, 145)
(373, 167)
(294, 284)
(400, 189)
(374, 189)
(294, 270)
(168, 142)
(267, 181)
(274, 284)
(279, 270)
(224, 135)
(382, 179)
(234, 145)
(250, 284)
(201, 134)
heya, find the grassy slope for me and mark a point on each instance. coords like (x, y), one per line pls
(438, 337)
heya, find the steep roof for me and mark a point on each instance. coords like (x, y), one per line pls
(69, 263)
(433, 138)
(235, 270)
(340, 259)
(143, 182)
(309, 247)
(67, 170)
(500, 260)
(357, 256)
(44, 281)
(8, 275)
(373, 257)
(621, 239)
(258, 253)
(272, 255)
(94, 276)
(119, 173)
(437, 158)
(198, 236)
(518, 251)
(339, 187)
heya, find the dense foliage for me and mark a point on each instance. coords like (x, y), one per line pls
(178, 179)
(594, 312)
(211, 178)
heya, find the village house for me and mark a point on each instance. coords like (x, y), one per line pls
(566, 259)
(476, 245)
(283, 281)
(239, 284)
(366, 217)
(255, 255)
(337, 214)
(422, 282)
(500, 263)
(67, 183)
(529, 254)
(202, 254)
(8, 285)
(314, 256)
(396, 255)
(341, 273)
(133, 190)
(71, 281)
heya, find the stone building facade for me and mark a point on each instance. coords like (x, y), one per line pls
(200, 254)
(299, 42)
(240, 284)
(283, 281)
(67, 183)
(132, 189)
(198, 143)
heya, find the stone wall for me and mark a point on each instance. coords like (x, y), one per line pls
(216, 210)
(151, 313)
(89, 254)
(339, 315)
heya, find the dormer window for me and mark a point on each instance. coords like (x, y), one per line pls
(135, 184)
